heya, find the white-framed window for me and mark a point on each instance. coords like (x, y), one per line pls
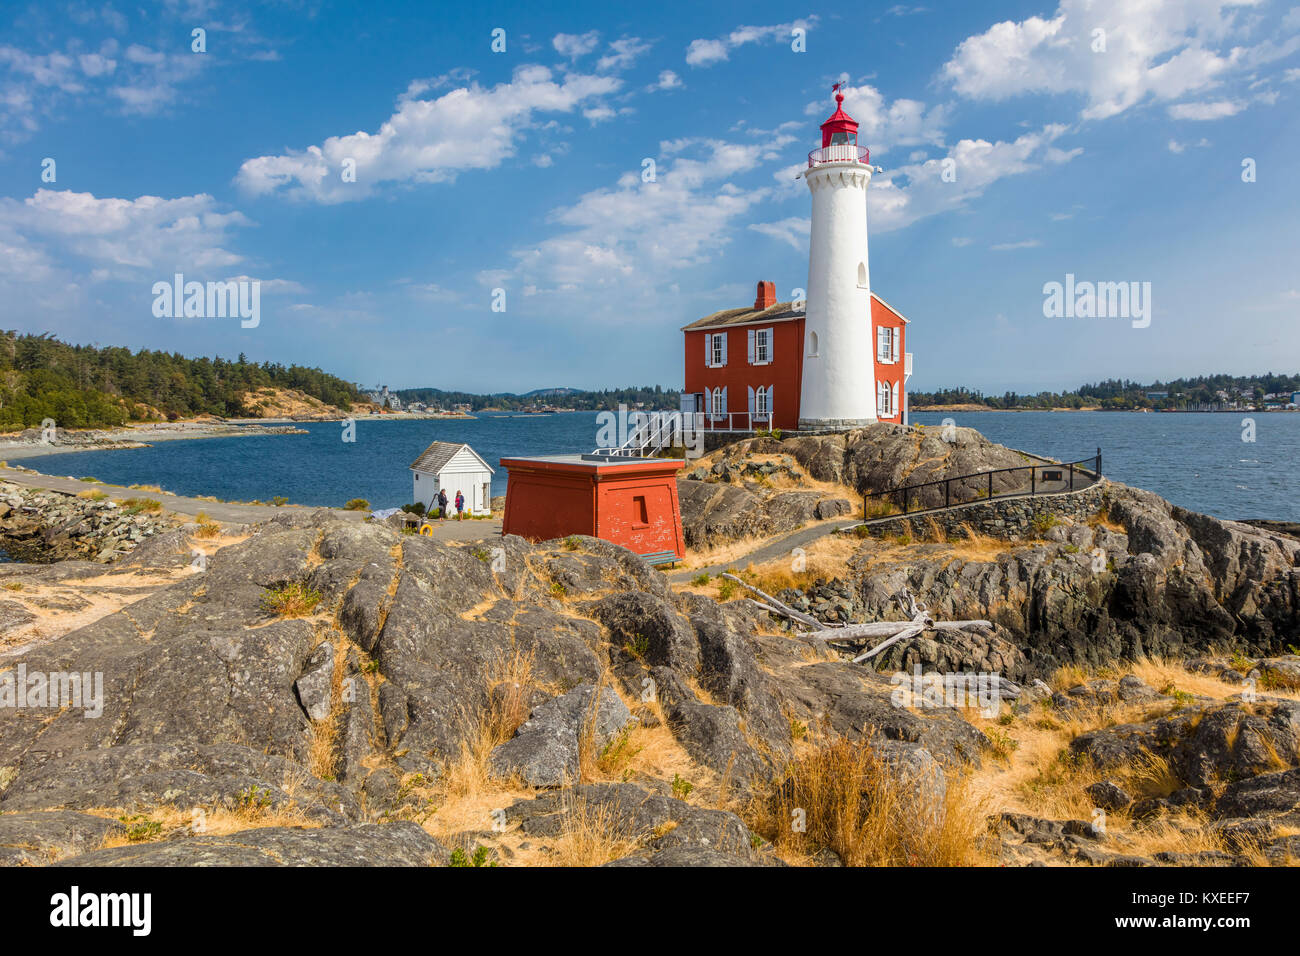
(718, 403)
(761, 342)
(884, 400)
(715, 352)
(760, 403)
(887, 344)
(812, 344)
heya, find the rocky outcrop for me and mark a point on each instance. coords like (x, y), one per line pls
(1138, 576)
(42, 526)
(212, 702)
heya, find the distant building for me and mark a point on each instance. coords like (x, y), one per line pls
(455, 467)
(1156, 396)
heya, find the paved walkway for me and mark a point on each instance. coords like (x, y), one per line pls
(802, 537)
(769, 551)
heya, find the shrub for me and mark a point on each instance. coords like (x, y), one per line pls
(279, 500)
(478, 858)
(140, 829)
(291, 600)
(207, 527)
(133, 506)
(414, 509)
(357, 504)
(681, 788)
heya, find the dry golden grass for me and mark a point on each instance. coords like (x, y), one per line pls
(592, 835)
(849, 801)
(1042, 778)
(161, 823)
(208, 528)
(294, 599)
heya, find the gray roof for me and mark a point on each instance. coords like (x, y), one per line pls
(434, 458)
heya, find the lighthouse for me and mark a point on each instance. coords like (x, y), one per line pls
(839, 385)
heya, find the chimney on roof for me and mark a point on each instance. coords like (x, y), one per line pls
(766, 297)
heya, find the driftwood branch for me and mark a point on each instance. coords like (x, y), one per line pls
(894, 631)
(782, 609)
(910, 631)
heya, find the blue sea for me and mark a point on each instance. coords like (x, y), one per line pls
(1198, 461)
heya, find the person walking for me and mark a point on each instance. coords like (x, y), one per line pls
(460, 506)
(442, 505)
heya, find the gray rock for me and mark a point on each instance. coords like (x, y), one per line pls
(317, 681)
(368, 844)
(545, 750)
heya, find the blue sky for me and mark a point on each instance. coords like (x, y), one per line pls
(522, 170)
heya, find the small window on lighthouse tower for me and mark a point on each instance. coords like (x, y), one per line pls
(812, 343)
(842, 138)
(862, 275)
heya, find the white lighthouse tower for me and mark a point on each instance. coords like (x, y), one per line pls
(839, 382)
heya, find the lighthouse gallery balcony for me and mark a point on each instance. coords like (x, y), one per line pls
(839, 153)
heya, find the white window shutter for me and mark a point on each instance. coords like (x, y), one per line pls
(771, 404)
(724, 350)
(893, 345)
(752, 353)
(725, 406)
(751, 401)
(708, 350)
(893, 406)
(771, 349)
(880, 343)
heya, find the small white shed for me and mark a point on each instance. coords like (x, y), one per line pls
(456, 467)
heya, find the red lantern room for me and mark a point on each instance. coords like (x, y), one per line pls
(841, 129)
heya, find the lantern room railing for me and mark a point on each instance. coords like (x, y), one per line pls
(839, 153)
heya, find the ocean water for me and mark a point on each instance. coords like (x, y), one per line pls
(1198, 461)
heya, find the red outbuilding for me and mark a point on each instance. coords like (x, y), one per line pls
(628, 501)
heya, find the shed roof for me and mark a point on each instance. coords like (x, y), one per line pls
(439, 454)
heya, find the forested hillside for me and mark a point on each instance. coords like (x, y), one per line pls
(84, 386)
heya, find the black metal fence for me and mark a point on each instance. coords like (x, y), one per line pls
(1036, 479)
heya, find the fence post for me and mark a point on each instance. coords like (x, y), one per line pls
(1071, 476)
(947, 493)
(904, 501)
(990, 486)
(1033, 487)
(1099, 463)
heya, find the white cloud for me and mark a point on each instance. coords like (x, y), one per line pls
(623, 245)
(622, 54)
(668, 80)
(1217, 109)
(575, 45)
(147, 237)
(1023, 244)
(427, 140)
(792, 231)
(961, 241)
(707, 52)
(900, 196)
(138, 80)
(1160, 50)
(1177, 147)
